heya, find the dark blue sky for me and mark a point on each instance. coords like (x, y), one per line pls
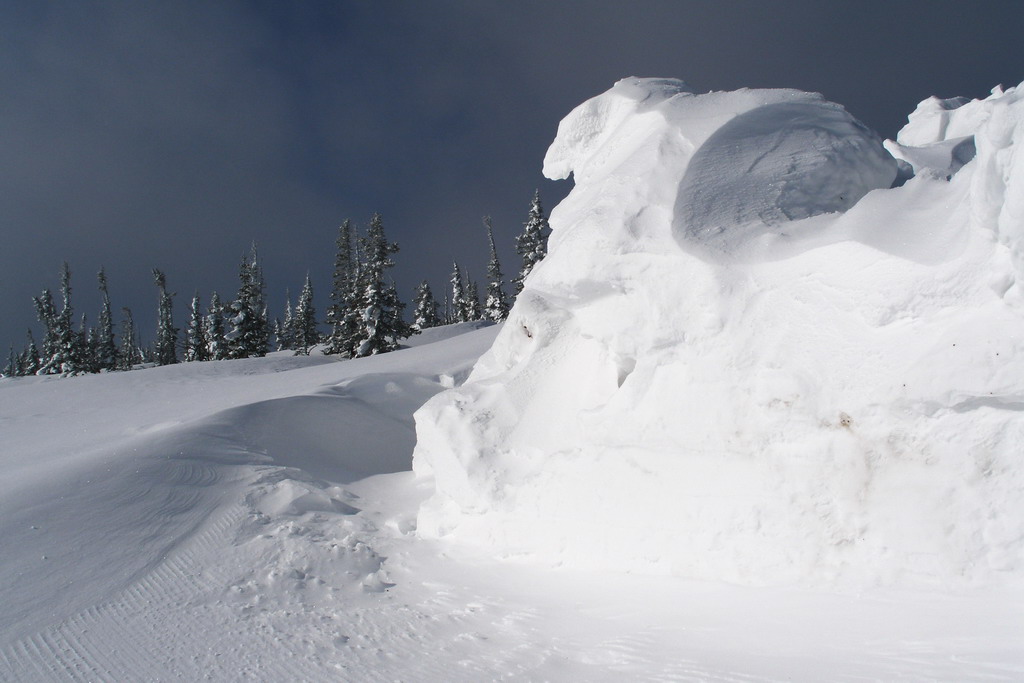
(137, 135)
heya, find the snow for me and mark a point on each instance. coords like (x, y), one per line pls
(751, 356)
(771, 439)
(186, 523)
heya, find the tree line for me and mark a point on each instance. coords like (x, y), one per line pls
(364, 317)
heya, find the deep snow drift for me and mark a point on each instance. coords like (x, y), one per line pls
(245, 519)
(757, 351)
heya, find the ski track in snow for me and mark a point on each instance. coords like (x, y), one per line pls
(250, 568)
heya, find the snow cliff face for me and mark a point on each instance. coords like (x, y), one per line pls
(748, 356)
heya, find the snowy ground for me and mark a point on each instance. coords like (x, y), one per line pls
(254, 520)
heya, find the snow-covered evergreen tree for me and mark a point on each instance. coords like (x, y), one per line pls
(250, 330)
(165, 346)
(380, 325)
(286, 331)
(473, 310)
(216, 335)
(46, 312)
(13, 367)
(304, 325)
(496, 305)
(129, 354)
(459, 308)
(87, 342)
(425, 308)
(106, 347)
(73, 345)
(532, 243)
(342, 314)
(61, 347)
(29, 359)
(277, 331)
(197, 343)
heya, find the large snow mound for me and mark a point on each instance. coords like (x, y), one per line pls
(739, 164)
(749, 356)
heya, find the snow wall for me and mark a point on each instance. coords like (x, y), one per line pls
(762, 349)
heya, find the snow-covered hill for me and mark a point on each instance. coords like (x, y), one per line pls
(757, 351)
(763, 350)
(255, 519)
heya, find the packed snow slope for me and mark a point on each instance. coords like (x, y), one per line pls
(761, 349)
(255, 520)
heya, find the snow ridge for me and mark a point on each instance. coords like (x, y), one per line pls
(760, 350)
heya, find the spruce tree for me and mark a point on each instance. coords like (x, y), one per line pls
(29, 360)
(165, 351)
(197, 345)
(129, 355)
(286, 335)
(473, 310)
(217, 343)
(72, 349)
(62, 351)
(250, 331)
(352, 321)
(341, 314)
(458, 304)
(46, 312)
(87, 341)
(425, 308)
(13, 366)
(496, 305)
(532, 243)
(106, 348)
(304, 325)
(277, 331)
(380, 325)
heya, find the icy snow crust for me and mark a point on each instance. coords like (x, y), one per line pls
(748, 356)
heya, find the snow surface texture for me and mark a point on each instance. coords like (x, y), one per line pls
(216, 521)
(753, 353)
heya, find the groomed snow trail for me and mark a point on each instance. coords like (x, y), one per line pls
(235, 544)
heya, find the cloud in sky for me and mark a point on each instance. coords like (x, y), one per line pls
(136, 135)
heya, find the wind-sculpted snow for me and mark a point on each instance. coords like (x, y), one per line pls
(775, 164)
(243, 520)
(751, 355)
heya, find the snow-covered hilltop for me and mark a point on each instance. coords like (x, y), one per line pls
(761, 349)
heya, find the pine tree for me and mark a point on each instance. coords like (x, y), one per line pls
(425, 308)
(106, 348)
(496, 306)
(341, 314)
(61, 349)
(29, 360)
(216, 338)
(286, 334)
(304, 325)
(13, 366)
(92, 344)
(86, 343)
(46, 312)
(532, 243)
(380, 325)
(197, 345)
(72, 350)
(129, 355)
(277, 331)
(472, 309)
(250, 331)
(165, 351)
(458, 305)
